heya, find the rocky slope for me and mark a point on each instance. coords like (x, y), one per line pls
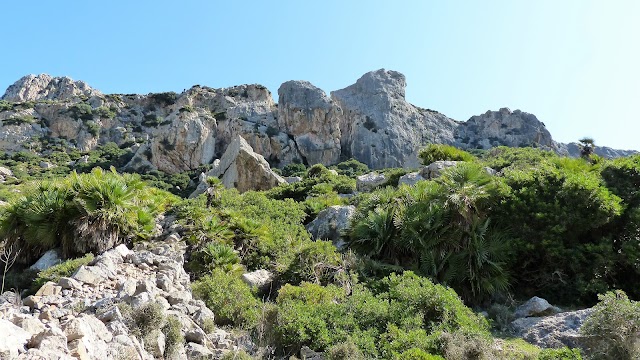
(92, 314)
(370, 121)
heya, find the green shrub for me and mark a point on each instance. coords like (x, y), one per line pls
(294, 169)
(214, 256)
(344, 351)
(165, 98)
(105, 112)
(317, 180)
(143, 320)
(236, 355)
(81, 111)
(559, 213)
(502, 157)
(93, 128)
(440, 228)
(19, 120)
(560, 354)
(351, 168)
(405, 311)
(173, 335)
(437, 152)
(316, 261)
(81, 213)
(418, 354)
(612, 328)
(229, 298)
(5, 105)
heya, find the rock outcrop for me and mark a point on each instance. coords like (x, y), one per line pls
(331, 223)
(241, 168)
(380, 128)
(555, 331)
(503, 128)
(370, 121)
(46, 87)
(370, 181)
(88, 315)
(308, 115)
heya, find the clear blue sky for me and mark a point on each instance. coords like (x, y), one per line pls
(574, 64)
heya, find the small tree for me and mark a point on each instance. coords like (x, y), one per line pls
(587, 147)
(8, 258)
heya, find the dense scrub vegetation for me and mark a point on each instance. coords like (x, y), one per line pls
(417, 256)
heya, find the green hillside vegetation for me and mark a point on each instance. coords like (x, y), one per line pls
(417, 259)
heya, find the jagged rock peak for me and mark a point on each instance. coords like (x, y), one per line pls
(382, 81)
(45, 87)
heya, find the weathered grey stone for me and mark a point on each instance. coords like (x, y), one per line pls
(554, 331)
(186, 143)
(292, 179)
(331, 223)
(5, 172)
(46, 87)
(307, 114)
(69, 283)
(380, 128)
(241, 168)
(49, 289)
(410, 179)
(89, 275)
(197, 351)
(260, 279)
(535, 307)
(49, 259)
(30, 325)
(13, 339)
(370, 181)
(307, 354)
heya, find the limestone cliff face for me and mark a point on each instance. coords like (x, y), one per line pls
(370, 121)
(308, 115)
(380, 128)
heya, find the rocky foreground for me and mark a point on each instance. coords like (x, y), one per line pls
(85, 316)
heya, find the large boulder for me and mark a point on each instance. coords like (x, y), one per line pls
(380, 128)
(12, 340)
(370, 181)
(331, 223)
(241, 168)
(410, 179)
(311, 117)
(261, 279)
(555, 331)
(49, 259)
(46, 87)
(535, 307)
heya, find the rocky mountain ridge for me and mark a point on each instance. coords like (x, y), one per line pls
(370, 121)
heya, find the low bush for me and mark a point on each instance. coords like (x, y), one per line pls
(612, 329)
(404, 312)
(560, 354)
(81, 213)
(438, 152)
(230, 298)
